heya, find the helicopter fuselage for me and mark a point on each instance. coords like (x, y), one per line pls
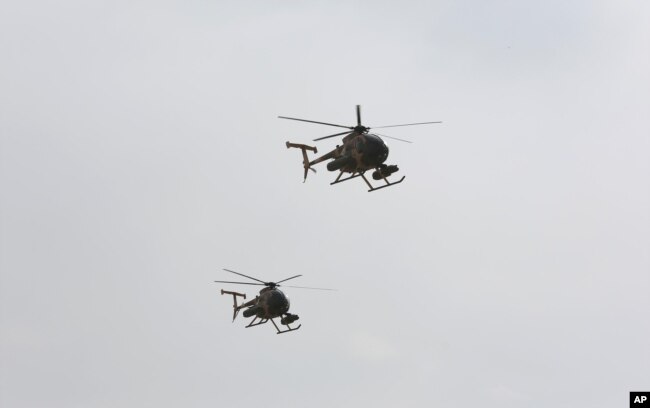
(359, 152)
(270, 303)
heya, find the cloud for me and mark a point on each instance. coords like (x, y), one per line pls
(370, 347)
(502, 393)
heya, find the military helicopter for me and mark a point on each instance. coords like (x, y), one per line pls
(268, 305)
(361, 151)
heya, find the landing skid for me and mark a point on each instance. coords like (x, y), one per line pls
(289, 328)
(258, 321)
(355, 175)
(255, 319)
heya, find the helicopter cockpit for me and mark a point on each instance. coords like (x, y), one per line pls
(375, 151)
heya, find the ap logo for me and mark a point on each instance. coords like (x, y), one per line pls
(640, 399)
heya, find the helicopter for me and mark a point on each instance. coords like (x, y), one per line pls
(268, 305)
(361, 151)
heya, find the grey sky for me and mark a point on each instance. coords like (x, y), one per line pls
(140, 153)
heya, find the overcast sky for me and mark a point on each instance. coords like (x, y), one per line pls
(140, 153)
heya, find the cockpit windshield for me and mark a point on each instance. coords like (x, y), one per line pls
(376, 151)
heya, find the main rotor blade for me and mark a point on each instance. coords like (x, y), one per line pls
(307, 287)
(407, 124)
(358, 115)
(245, 276)
(313, 121)
(391, 137)
(242, 283)
(284, 280)
(327, 137)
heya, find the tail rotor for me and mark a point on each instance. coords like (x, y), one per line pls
(305, 159)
